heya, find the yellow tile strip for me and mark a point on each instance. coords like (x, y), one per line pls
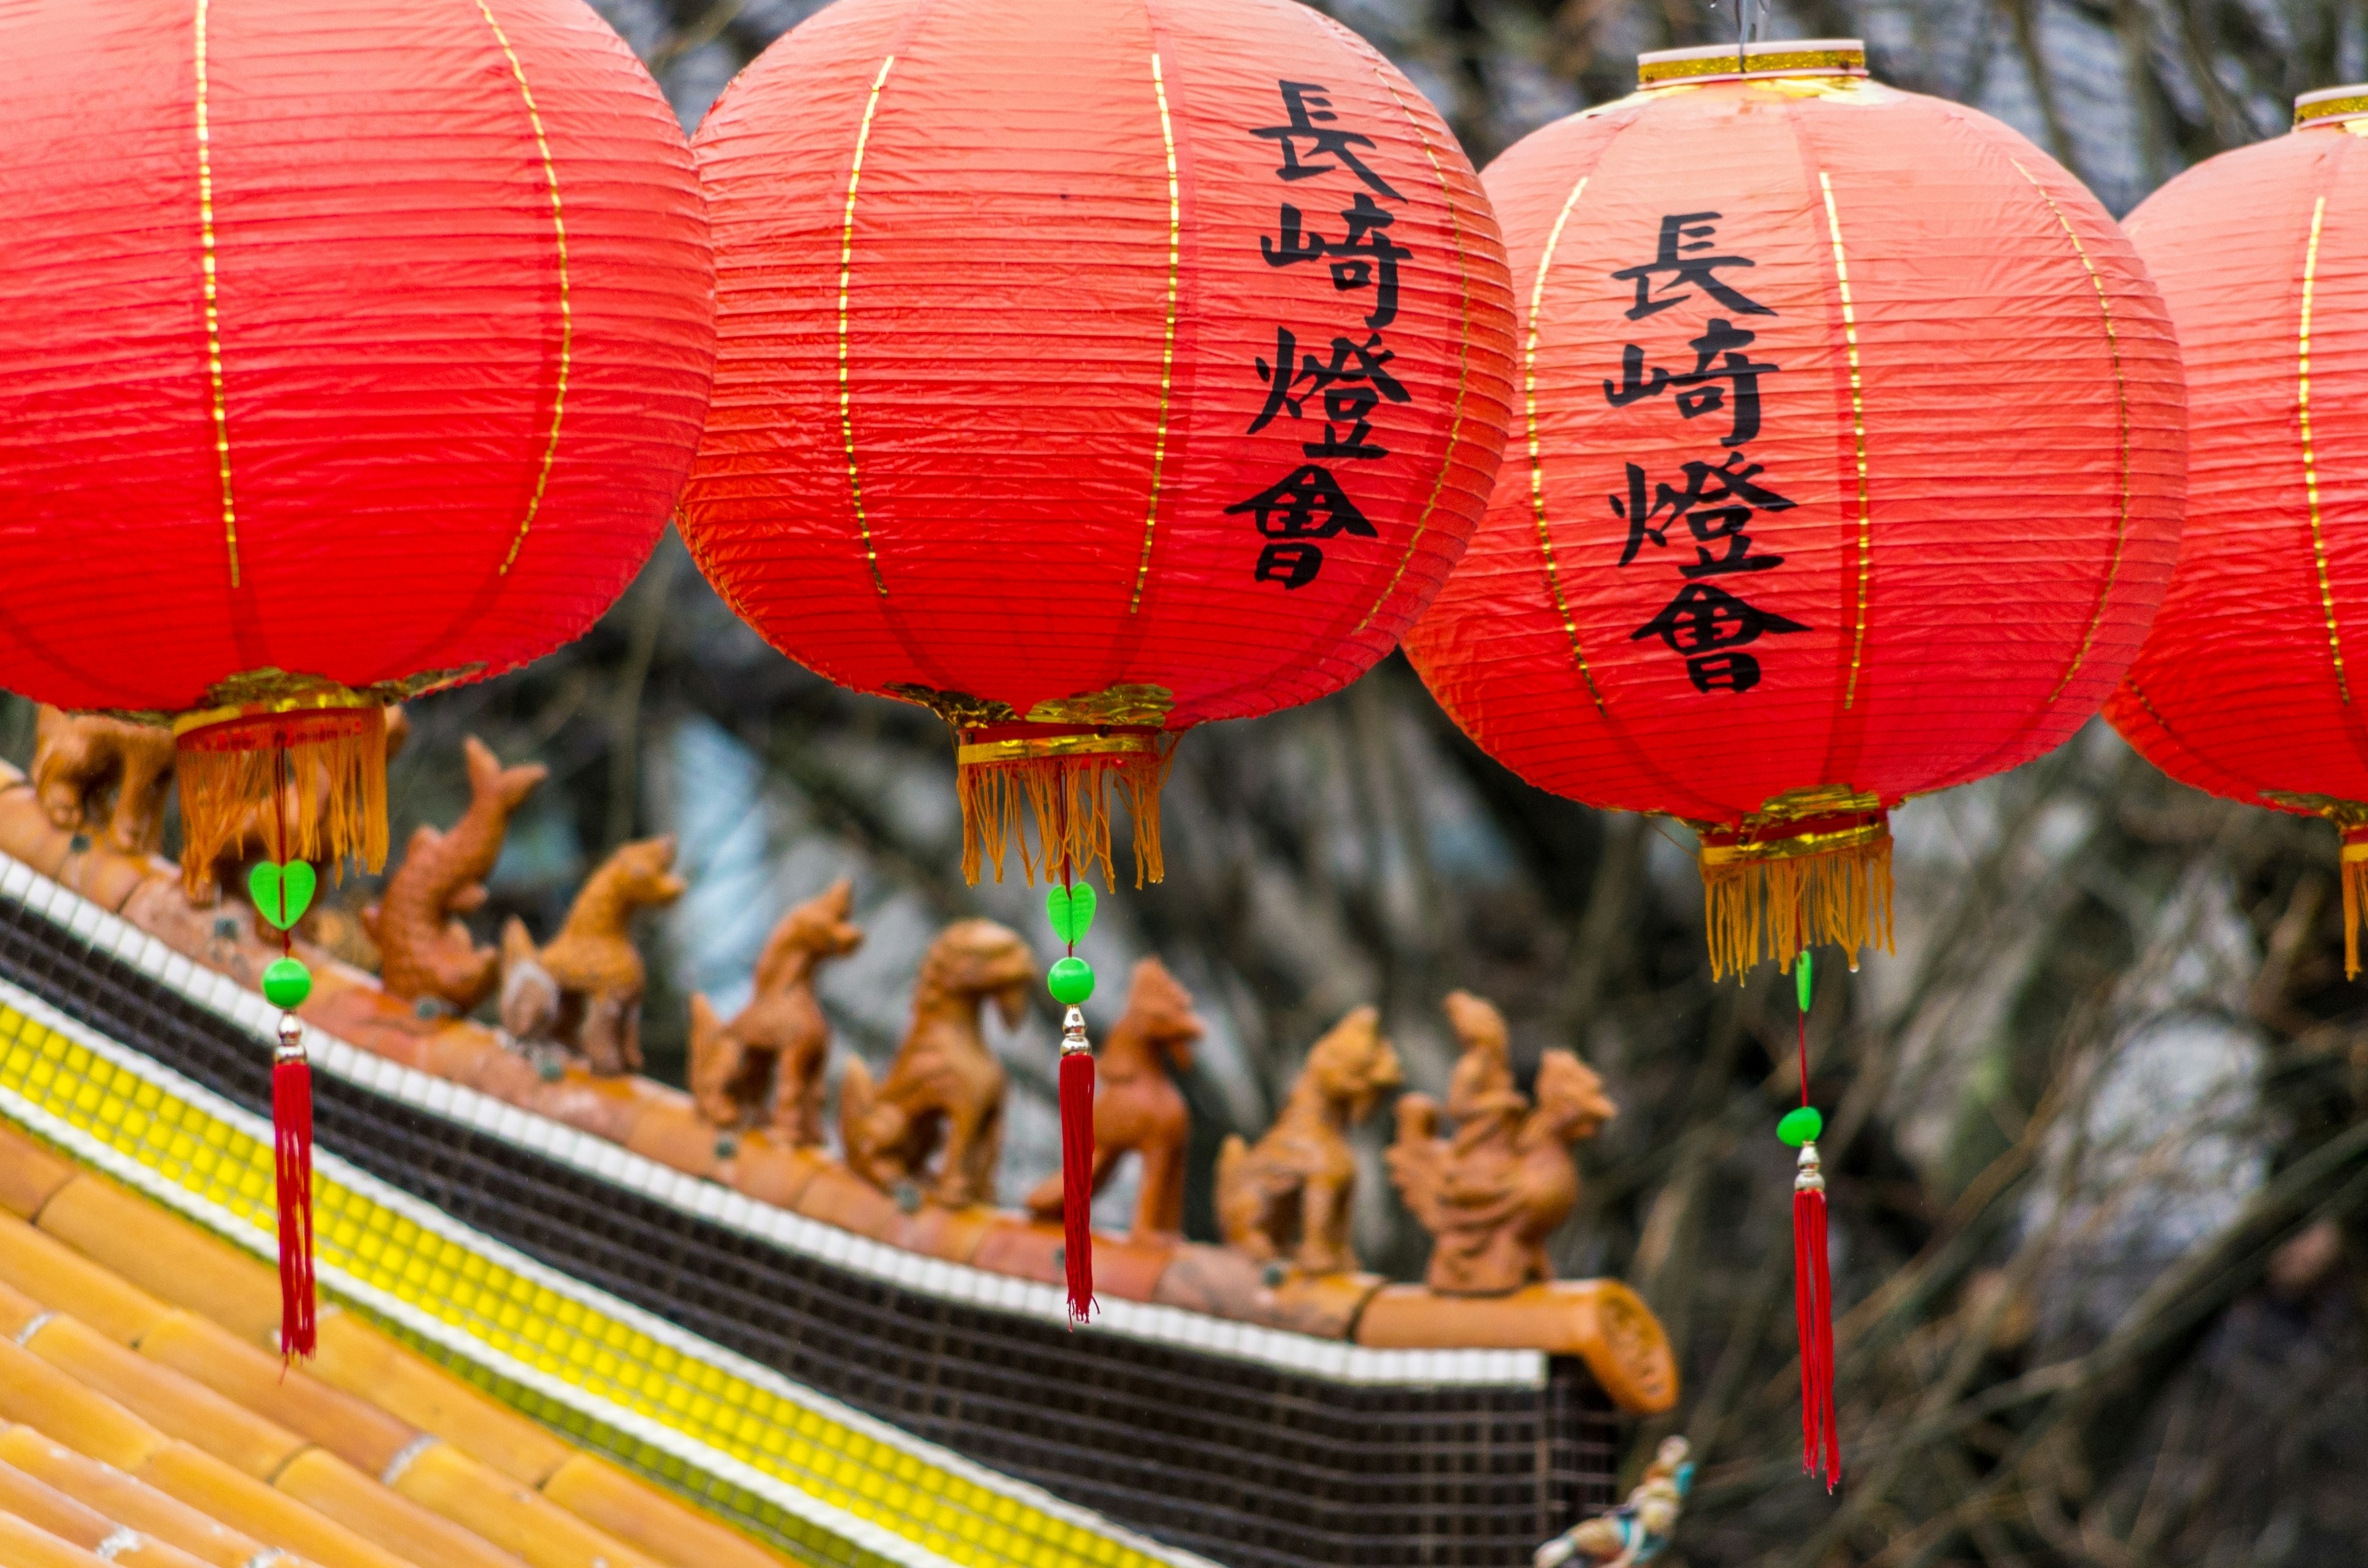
(2309, 457)
(1858, 434)
(566, 309)
(572, 1357)
(2121, 403)
(845, 271)
(1537, 459)
(763, 1516)
(1167, 349)
(213, 303)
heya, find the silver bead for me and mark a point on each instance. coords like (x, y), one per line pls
(1812, 1176)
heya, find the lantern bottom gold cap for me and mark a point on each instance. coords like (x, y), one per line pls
(1030, 748)
(1753, 62)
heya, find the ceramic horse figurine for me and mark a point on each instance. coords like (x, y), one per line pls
(765, 1067)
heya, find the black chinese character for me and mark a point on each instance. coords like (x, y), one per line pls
(1717, 505)
(1308, 502)
(1634, 383)
(1699, 390)
(1683, 234)
(1309, 115)
(1295, 245)
(1706, 624)
(1703, 391)
(1292, 565)
(1724, 672)
(1350, 393)
(1365, 252)
(1362, 252)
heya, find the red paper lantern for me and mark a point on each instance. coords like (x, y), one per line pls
(2250, 684)
(345, 351)
(1853, 440)
(1089, 371)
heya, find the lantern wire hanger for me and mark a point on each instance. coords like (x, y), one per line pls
(1742, 28)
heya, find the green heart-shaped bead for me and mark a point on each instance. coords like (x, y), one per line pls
(287, 982)
(282, 892)
(1801, 1126)
(1071, 910)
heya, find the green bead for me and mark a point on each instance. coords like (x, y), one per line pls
(287, 982)
(1071, 981)
(1801, 977)
(1801, 1126)
(1071, 910)
(282, 894)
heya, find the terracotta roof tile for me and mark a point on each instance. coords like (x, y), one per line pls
(135, 1504)
(130, 1352)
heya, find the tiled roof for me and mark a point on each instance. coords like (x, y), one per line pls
(820, 1480)
(155, 1428)
(634, 1133)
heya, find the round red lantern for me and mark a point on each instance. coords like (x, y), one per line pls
(345, 351)
(1089, 370)
(2251, 683)
(1848, 466)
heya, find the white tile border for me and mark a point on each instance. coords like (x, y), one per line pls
(433, 1222)
(1140, 1320)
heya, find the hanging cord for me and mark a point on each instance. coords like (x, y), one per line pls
(292, 1107)
(1812, 1290)
(1076, 1090)
(1803, 985)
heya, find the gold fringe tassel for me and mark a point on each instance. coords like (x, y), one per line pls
(1069, 797)
(332, 805)
(2355, 895)
(1774, 900)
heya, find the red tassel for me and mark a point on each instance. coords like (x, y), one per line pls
(1812, 1309)
(1077, 1173)
(292, 1141)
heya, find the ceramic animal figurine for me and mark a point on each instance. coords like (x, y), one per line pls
(93, 772)
(424, 950)
(765, 1067)
(1492, 1195)
(582, 992)
(1286, 1197)
(934, 1124)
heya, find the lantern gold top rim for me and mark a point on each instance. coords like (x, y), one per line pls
(2330, 106)
(1753, 62)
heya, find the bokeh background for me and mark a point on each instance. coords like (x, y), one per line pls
(2099, 1130)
